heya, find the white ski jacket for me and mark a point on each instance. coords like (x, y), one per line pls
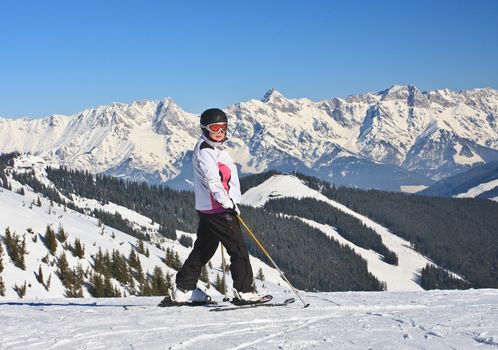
(216, 182)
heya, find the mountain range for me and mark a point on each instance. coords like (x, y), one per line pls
(400, 138)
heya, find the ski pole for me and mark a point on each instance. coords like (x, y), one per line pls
(271, 260)
(224, 274)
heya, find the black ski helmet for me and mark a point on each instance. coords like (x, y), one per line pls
(211, 116)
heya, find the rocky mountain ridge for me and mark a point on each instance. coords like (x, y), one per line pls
(396, 137)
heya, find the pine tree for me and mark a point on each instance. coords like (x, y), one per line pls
(204, 276)
(120, 267)
(1, 257)
(220, 285)
(79, 249)
(140, 247)
(109, 289)
(260, 276)
(144, 286)
(64, 271)
(49, 281)
(186, 241)
(75, 290)
(133, 260)
(15, 248)
(46, 258)
(103, 263)
(168, 260)
(159, 285)
(38, 202)
(2, 287)
(39, 276)
(96, 287)
(61, 234)
(50, 240)
(177, 262)
(20, 290)
(131, 283)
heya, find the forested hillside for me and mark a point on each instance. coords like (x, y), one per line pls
(458, 234)
(308, 256)
(347, 226)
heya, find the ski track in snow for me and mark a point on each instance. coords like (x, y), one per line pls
(347, 320)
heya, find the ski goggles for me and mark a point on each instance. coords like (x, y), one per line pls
(216, 128)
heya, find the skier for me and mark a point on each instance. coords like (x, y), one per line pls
(217, 195)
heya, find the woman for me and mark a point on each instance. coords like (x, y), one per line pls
(217, 195)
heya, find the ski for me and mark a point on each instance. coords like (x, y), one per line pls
(167, 302)
(262, 300)
(252, 305)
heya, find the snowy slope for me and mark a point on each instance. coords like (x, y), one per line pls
(397, 137)
(353, 320)
(18, 215)
(477, 190)
(398, 278)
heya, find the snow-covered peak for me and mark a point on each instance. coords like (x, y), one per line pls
(272, 95)
(398, 92)
(150, 139)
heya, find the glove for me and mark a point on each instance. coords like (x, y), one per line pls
(231, 207)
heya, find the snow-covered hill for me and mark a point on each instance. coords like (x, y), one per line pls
(397, 137)
(353, 320)
(27, 220)
(402, 277)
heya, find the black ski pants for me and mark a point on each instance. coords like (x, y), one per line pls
(213, 229)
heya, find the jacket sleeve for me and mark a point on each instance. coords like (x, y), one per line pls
(209, 168)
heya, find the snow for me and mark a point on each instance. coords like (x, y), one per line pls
(412, 188)
(350, 320)
(477, 190)
(398, 278)
(461, 159)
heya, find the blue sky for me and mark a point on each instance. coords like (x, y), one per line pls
(60, 57)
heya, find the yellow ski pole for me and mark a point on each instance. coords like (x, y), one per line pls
(271, 260)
